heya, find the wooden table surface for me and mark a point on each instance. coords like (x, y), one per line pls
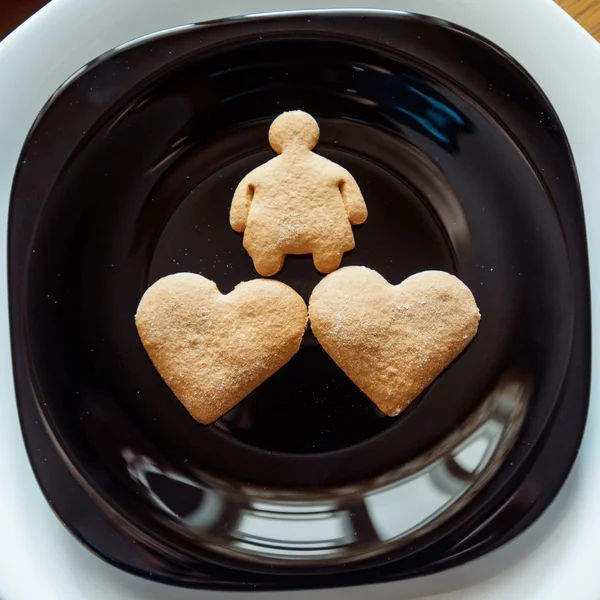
(587, 12)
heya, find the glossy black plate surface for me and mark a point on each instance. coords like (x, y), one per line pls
(127, 176)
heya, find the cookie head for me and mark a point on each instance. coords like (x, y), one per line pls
(293, 130)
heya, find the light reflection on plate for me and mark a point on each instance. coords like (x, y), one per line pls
(350, 523)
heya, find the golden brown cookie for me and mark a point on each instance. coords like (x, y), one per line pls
(298, 202)
(392, 341)
(212, 349)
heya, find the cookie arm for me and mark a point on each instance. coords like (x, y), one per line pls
(240, 205)
(353, 199)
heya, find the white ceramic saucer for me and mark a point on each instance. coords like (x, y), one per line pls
(557, 557)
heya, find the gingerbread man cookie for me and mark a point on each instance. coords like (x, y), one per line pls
(298, 202)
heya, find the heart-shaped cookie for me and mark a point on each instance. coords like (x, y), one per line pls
(212, 349)
(392, 341)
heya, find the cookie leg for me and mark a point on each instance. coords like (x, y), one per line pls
(327, 261)
(268, 263)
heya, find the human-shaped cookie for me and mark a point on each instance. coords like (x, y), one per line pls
(298, 202)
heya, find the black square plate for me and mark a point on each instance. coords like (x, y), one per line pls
(127, 176)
